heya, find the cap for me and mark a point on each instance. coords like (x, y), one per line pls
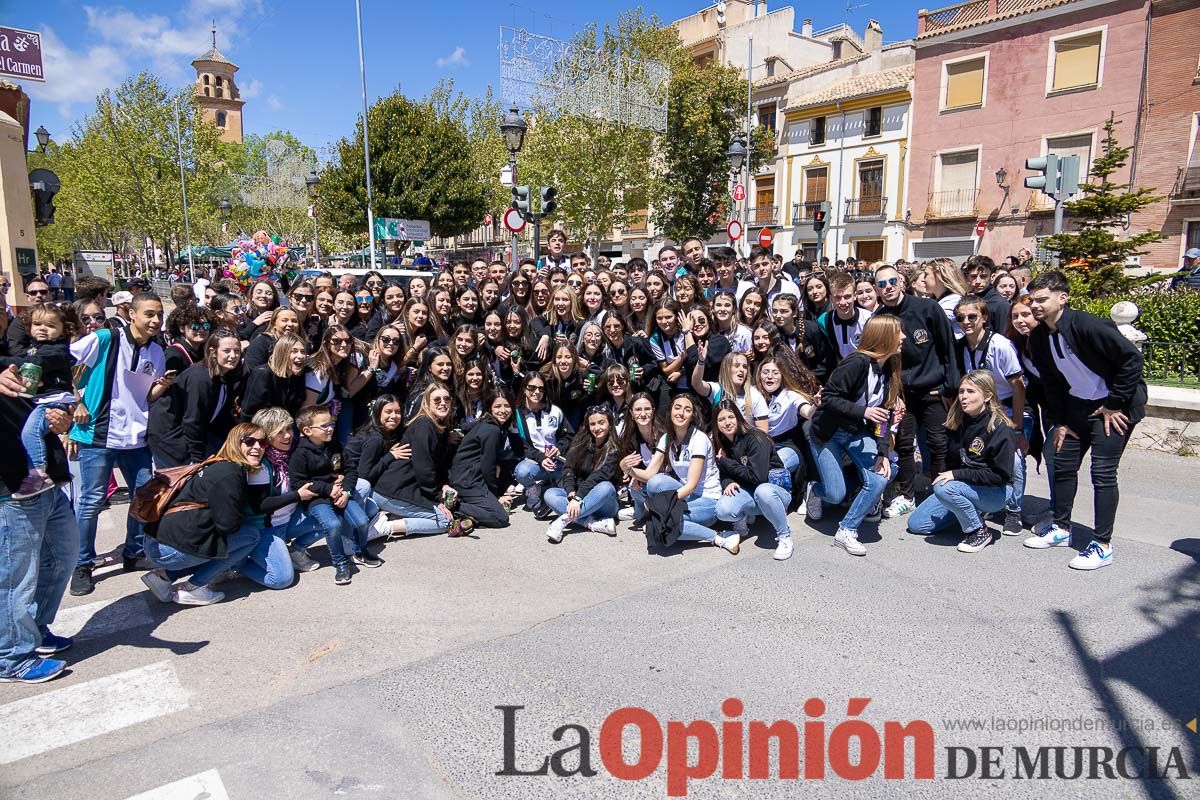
(1193, 253)
(121, 298)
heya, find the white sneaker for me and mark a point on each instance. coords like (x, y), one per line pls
(848, 541)
(625, 514)
(900, 506)
(159, 586)
(783, 548)
(1053, 537)
(189, 595)
(814, 506)
(303, 562)
(802, 508)
(876, 512)
(605, 526)
(728, 543)
(381, 527)
(1094, 556)
(557, 529)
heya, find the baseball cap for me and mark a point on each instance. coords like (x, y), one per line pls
(1193, 253)
(120, 298)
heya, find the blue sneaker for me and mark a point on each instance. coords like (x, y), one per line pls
(38, 671)
(52, 644)
(1094, 556)
(1054, 536)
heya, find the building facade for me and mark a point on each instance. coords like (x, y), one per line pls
(1168, 156)
(998, 81)
(217, 93)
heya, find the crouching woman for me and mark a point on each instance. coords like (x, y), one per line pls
(208, 527)
(980, 461)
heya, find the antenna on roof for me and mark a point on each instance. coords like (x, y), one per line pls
(850, 9)
(214, 33)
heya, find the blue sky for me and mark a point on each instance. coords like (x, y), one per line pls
(298, 59)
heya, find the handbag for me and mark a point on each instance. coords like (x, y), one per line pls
(780, 477)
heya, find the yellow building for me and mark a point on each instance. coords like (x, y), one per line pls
(217, 93)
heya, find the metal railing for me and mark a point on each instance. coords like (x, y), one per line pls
(637, 223)
(762, 216)
(865, 209)
(1187, 184)
(803, 212)
(953, 204)
(931, 22)
(1171, 363)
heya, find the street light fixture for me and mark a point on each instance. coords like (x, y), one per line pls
(312, 182)
(1001, 177)
(43, 137)
(737, 156)
(512, 129)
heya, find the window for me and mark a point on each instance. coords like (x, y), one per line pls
(870, 188)
(1191, 235)
(873, 121)
(1076, 62)
(1076, 145)
(816, 185)
(964, 83)
(869, 251)
(818, 131)
(766, 117)
(955, 195)
(764, 201)
(221, 119)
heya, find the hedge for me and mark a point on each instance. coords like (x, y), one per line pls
(1165, 316)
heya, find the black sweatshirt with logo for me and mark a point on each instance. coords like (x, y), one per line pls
(927, 358)
(980, 458)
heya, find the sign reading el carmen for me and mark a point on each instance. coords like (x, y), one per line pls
(21, 54)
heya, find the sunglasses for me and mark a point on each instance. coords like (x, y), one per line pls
(304, 297)
(967, 317)
(200, 326)
(887, 282)
(37, 292)
(618, 293)
(364, 300)
(325, 426)
(389, 340)
(254, 441)
(92, 317)
(535, 388)
(440, 401)
(340, 340)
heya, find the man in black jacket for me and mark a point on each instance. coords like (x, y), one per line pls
(930, 378)
(979, 271)
(1096, 395)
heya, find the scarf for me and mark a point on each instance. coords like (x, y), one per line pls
(279, 460)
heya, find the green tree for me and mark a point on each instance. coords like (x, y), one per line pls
(1095, 255)
(264, 181)
(421, 168)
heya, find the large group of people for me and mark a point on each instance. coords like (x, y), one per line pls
(685, 398)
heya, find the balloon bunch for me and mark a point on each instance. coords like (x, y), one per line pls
(256, 257)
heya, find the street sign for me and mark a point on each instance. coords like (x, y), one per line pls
(514, 221)
(734, 229)
(506, 175)
(21, 54)
(739, 192)
(405, 230)
(26, 261)
(980, 227)
(765, 237)
(487, 219)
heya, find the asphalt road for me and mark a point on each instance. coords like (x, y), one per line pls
(388, 688)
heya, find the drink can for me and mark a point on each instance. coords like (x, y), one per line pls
(590, 382)
(32, 374)
(450, 498)
(515, 356)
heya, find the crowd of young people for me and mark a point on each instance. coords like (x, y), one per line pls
(687, 398)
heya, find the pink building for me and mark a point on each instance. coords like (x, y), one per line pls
(998, 81)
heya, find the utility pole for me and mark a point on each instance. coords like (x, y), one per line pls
(362, 70)
(187, 228)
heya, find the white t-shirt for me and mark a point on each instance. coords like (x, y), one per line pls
(758, 405)
(1000, 358)
(741, 339)
(784, 285)
(783, 411)
(697, 446)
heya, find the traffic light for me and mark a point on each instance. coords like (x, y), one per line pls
(549, 201)
(44, 184)
(1047, 182)
(1068, 177)
(820, 217)
(520, 202)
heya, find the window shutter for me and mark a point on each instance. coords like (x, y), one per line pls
(1077, 62)
(964, 84)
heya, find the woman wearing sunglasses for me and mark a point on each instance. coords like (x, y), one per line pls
(188, 328)
(334, 375)
(213, 523)
(364, 312)
(546, 434)
(586, 495)
(190, 419)
(517, 291)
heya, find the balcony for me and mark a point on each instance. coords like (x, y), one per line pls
(953, 204)
(1187, 186)
(974, 12)
(866, 209)
(762, 216)
(803, 212)
(637, 224)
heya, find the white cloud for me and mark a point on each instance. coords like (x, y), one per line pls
(274, 103)
(456, 59)
(252, 89)
(73, 77)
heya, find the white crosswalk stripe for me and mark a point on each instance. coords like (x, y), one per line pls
(75, 713)
(206, 785)
(96, 620)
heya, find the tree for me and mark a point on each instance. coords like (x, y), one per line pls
(264, 181)
(421, 168)
(1094, 255)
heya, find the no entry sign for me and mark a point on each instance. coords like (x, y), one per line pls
(734, 229)
(765, 237)
(514, 221)
(980, 227)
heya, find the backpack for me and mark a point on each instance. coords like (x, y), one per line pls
(152, 500)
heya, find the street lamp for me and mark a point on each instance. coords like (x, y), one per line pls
(1001, 177)
(512, 131)
(312, 182)
(43, 137)
(226, 209)
(737, 156)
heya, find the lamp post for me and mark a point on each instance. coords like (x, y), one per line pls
(312, 182)
(187, 229)
(512, 131)
(736, 154)
(43, 138)
(362, 72)
(226, 209)
(1001, 177)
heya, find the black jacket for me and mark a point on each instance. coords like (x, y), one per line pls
(591, 471)
(749, 461)
(258, 352)
(179, 355)
(635, 350)
(928, 362)
(56, 362)
(478, 454)
(186, 420)
(312, 463)
(419, 479)
(843, 400)
(980, 458)
(664, 518)
(13, 467)
(265, 389)
(373, 457)
(998, 309)
(1103, 350)
(221, 489)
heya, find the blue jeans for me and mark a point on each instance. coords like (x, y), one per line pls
(178, 564)
(599, 503)
(529, 472)
(95, 468)
(956, 501)
(38, 544)
(701, 510)
(768, 499)
(862, 451)
(33, 437)
(418, 520)
(350, 522)
(789, 457)
(269, 564)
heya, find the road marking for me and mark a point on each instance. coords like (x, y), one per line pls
(92, 708)
(206, 785)
(91, 622)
